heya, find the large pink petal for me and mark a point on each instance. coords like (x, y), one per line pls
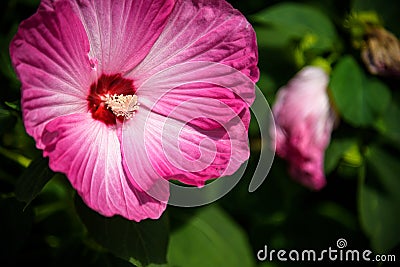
(89, 153)
(181, 151)
(202, 30)
(121, 32)
(50, 56)
(135, 158)
(213, 90)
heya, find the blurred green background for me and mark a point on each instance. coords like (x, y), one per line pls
(361, 202)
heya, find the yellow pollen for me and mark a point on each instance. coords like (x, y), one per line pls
(122, 105)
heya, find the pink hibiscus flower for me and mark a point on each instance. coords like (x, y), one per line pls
(304, 121)
(125, 95)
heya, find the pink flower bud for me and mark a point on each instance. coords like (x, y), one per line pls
(304, 122)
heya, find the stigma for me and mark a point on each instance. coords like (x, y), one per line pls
(122, 105)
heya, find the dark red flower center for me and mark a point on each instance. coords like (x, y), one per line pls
(112, 98)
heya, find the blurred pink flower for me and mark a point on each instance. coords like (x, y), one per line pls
(85, 68)
(304, 121)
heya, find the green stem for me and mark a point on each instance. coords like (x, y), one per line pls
(20, 159)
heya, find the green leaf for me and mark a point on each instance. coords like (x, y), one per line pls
(142, 243)
(338, 213)
(385, 166)
(379, 218)
(379, 204)
(359, 100)
(4, 114)
(6, 120)
(210, 238)
(389, 125)
(298, 20)
(335, 151)
(272, 37)
(33, 179)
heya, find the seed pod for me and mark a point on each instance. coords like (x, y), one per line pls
(381, 52)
